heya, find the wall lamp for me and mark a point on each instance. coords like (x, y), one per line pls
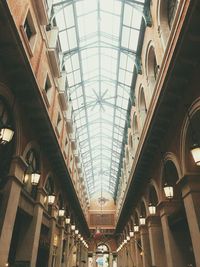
(67, 220)
(195, 151)
(142, 220)
(61, 212)
(136, 228)
(51, 199)
(169, 191)
(152, 209)
(6, 134)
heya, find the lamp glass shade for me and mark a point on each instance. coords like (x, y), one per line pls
(35, 178)
(125, 241)
(76, 232)
(128, 238)
(195, 151)
(51, 199)
(67, 220)
(136, 228)
(61, 212)
(72, 227)
(142, 221)
(131, 233)
(169, 191)
(6, 135)
(81, 238)
(152, 209)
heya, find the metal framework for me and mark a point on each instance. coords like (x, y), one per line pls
(99, 40)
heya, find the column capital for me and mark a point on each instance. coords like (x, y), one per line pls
(190, 183)
(168, 207)
(143, 230)
(153, 220)
(18, 168)
(136, 236)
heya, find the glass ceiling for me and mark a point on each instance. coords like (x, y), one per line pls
(99, 40)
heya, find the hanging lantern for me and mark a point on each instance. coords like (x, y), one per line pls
(169, 191)
(51, 199)
(142, 220)
(136, 228)
(152, 209)
(61, 212)
(195, 151)
(131, 233)
(6, 135)
(67, 220)
(76, 232)
(35, 178)
(73, 227)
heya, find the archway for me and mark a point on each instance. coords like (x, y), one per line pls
(177, 220)
(102, 255)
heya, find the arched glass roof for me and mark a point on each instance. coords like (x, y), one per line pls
(99, 41)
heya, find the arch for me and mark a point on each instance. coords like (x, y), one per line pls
(166, 11)
(151, 66)
(143, 210)
(142, 107)
(49, 185)
(186, 139)
(152, 195)
(170, 177)
(130, 142)
(136, 217)
(60, 201)
(157, 189)
(6, 149)
(13, 107)
(135, 136)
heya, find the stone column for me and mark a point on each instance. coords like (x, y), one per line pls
(146, 252)
(53, 238)
(191, 199)
(66, 252)
(138, 257)
(94, 259)
(11, 198)
(132, 253)
(173, 254)
(71, 258)
(28, 248)
(60, 243)
(156, 241)
(110, 260)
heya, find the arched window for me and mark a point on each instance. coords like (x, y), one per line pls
(49, 186)
(170, 177)
(166, 14)
(32, 159)
(171, 11)
(135, 133)
(6, 152)
(152, 68)
(142, 107)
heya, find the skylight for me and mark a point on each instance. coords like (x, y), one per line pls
(99, 40)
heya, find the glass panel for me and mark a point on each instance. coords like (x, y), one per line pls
(99, 38)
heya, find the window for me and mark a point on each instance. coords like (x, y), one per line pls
(29, 33)
(27, 29)
(48, 90)
(171, 11)
(58, 123)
